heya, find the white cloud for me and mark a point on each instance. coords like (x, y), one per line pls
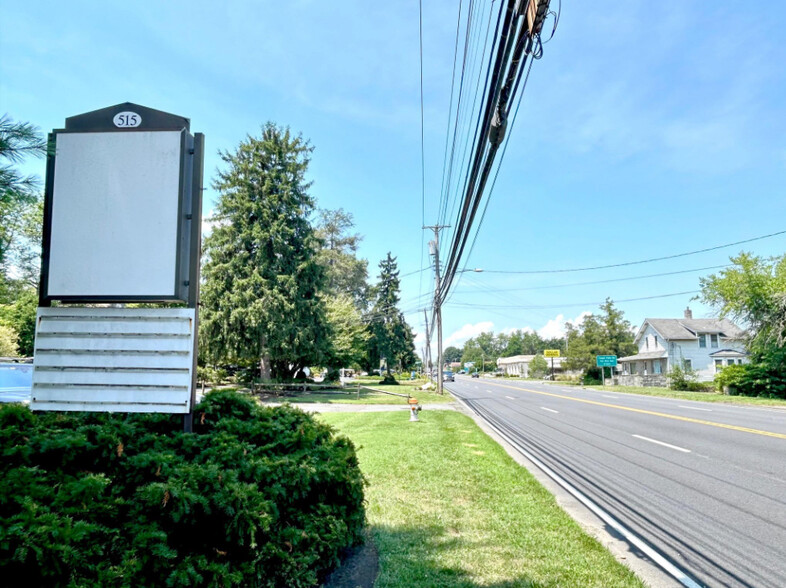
(209, 222)
(420, 341)
(509, 330)
(555, 328)
(467, 332)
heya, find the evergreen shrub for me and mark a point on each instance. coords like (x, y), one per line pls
(254, 497)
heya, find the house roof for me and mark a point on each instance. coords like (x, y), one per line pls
(728, 353)
(644, 356)
(527, 359)
(515, 359)
(681, 329)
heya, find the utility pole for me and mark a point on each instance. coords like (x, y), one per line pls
(434, 249)
(427, 358)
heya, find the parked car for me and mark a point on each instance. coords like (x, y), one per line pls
(475, 375)
(448, 377)
(16, 381)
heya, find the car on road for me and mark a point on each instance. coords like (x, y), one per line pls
(475, 375)
(448, 377)
(16, 381)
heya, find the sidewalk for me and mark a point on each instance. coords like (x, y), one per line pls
(327, 407)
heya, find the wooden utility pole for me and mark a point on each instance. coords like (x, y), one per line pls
(434, 249)
(427, 359)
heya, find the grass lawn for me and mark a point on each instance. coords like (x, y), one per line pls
(374, 395)
(702, 396)
(448, 507)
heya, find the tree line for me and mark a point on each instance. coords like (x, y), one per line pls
(282, 287)
(603, 333)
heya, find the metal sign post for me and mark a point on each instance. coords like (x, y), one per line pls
(552, 353)
(122, 224)
(604, 361)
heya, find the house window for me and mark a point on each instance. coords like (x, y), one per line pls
(702, 340)
(730, 362)
(646, 343)
(655, 339)
(633, 367)
(656, 366)
(719, 364)
(687, 364)
(713, 340)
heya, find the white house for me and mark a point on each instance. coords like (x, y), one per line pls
(703, 345)
(518, 365)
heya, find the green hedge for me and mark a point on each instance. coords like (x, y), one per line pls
(254, 497)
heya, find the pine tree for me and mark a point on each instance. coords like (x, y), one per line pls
(18, 196)
(390, 335)
(261, 293)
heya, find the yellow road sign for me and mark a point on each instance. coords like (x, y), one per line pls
(551, 353)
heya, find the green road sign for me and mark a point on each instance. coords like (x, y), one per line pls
(606, 360)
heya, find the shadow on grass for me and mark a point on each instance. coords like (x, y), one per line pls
(410, 557)
(333, 396)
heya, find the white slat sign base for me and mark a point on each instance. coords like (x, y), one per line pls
(114, 359)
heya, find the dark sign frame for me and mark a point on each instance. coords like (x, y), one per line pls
(188, 242)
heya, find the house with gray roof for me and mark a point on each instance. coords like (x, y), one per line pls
(703, 345)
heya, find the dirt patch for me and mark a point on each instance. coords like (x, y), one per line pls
(359, 568)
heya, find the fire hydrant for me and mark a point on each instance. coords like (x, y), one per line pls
(414, 409)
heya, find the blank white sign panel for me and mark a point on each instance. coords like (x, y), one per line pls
(115, 214)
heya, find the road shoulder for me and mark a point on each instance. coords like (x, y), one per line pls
(622, 551)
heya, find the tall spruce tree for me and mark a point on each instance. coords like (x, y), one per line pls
(390, 336)
(260, 297)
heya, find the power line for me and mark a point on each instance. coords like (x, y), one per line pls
(422, 121)
(549, 306)
(598, 267)
(627, 279)
(422, 140)
(516, 42)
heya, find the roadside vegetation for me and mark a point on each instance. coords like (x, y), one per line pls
(254, 497)
(448, 507)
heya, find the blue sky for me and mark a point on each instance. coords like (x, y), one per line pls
(642, 133)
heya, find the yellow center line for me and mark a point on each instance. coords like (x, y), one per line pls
(651, 413)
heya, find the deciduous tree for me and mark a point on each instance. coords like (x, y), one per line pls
(606, 333)
(753, 294)
(345, 273)
(451, 354)
(349, 334)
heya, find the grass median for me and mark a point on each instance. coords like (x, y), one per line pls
(447, 507)
(710, 396)
(370, 391)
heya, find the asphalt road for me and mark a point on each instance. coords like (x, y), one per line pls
(702, 483)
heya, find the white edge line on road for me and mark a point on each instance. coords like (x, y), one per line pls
(489, 391)
(510, 397)
(549, 409)
(607, 396)
(669, 445)
(695, 408)
(669, 567)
